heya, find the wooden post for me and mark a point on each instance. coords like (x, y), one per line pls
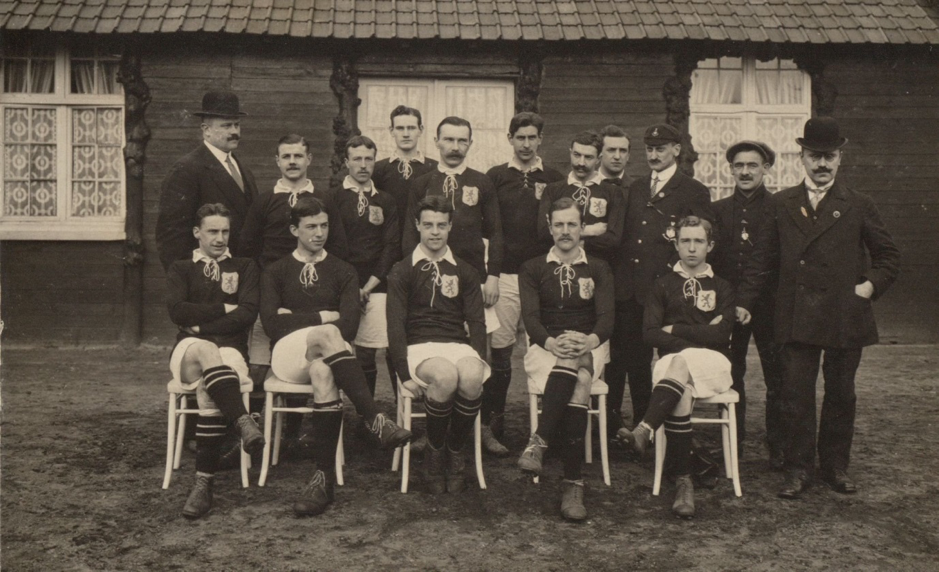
(531, 70)
(677, 94)
(136, 100)
(345, 84)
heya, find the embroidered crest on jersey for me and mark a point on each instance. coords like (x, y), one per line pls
(229, 282)
(586, 288)
(598, 207)
(376, 215)
(470, 196)
(706, 300)
(539, 190)
(450, 285)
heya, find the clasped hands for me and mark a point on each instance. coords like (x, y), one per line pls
(571, 344)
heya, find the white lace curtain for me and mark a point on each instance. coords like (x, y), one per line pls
(723, 83)
(28, 76)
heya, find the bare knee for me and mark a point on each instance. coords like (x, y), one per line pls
(199, 356)
(441, 376)
(470, 372)
(581, 393)
(324, 386)
(324, 340)
(678, 370)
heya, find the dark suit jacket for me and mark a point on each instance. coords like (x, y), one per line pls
(197, 179)
(821, 256)
(646, 253)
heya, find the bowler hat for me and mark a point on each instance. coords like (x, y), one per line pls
(821, 134)
(661, 134)
(769, 156)
(219, 104)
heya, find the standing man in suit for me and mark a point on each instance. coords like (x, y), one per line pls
(655, 204)
(819, 235)
(209, 174)
(739, 220)
(614, 155)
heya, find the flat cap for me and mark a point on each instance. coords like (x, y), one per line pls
(660, 134)
(769, 156)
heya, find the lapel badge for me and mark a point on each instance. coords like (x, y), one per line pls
(670, 233)
(836, 214)
(805, 213)
(744, 235)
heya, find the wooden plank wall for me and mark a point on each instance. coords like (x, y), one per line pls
(888, 108)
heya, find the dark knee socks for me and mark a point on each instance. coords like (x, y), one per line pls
(392, 376)
(462, 420)
(349, 377)
(557, 394)
(572, 453)
(497, 387)
(210, 433)
(665, 396)
(438, 419)
(327, 423)
(366, 357)
(678, 444)
(224, 388)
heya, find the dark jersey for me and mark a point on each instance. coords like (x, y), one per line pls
(598, 203)
(374, 227)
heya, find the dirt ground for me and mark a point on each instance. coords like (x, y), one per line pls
(83, 442)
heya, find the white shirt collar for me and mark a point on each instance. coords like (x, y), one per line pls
(397, 157)
(353, 185)
(552, 257)
(810, 185)
(443, 168)
(596, 179)
(221, 155)
(281, 187)
(708, 272)
(605, 176)
(664, 175)
(418, 255)
(319, 257)
(199, 256)
(537, 165)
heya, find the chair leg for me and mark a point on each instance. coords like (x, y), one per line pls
(659, 460)
(399, 411)
(268, 422)
(180, 429)
(170, 440)
(406, 461)
(604, 450)
(588, 438)
(340, 455)
(732, 430)
(278, 428)
(245, 458)
(478, 438)
(533, 420)
(725, 439)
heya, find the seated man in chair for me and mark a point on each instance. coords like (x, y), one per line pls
(213, 299)
(567, 305)
(433, 297)
(310, 310)
(689, 318)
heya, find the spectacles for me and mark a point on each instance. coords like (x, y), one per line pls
(747, 166)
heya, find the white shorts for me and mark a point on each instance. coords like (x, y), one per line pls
(259, 345)
(230, 357)
(710, 371)
(509, 312)
(452, 352)
(492, 319)
(539, 362)
(373, 326)
(288, 360)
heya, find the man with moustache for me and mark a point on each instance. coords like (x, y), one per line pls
(613, 157)
(819, 236)
(601, 204)
(209, 174)
(655, 205)
(739, 219)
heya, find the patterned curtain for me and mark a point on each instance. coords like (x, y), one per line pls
(96, 162)
(29, 162)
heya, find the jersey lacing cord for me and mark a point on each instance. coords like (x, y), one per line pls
(404, 167)
(308, 275)
(294, 196)
(363, 203)
(566, 275)
(582, 197)
(211, 270)
(691, 288)
(449, 189)
(435, 278)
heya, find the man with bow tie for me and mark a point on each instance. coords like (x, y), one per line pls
(209, 174)
(614, 155)
(310, 310)
(601, 204)
(655, 205)
(834, 256)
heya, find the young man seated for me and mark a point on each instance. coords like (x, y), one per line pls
(213, 298)
(567, 305)
(433, 297)
(689, 318)
(310, 310)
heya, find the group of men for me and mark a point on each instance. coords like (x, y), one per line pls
(426, 259)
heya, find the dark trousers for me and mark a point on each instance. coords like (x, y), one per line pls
(629, 357)
(800, 364)
(761, 329)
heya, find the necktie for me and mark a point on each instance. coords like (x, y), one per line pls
(815, 196)
(655, 185)
(234, 173)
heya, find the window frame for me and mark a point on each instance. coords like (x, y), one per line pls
(64, 226)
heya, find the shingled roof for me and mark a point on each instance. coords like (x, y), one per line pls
(796, 21)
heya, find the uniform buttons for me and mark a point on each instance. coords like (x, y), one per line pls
(636, 260)
(802, 262)
(639, 241)
(744, 210)
(643, 222)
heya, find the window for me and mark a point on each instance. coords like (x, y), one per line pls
(743, 98)
(62, 134)
(487, 105)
